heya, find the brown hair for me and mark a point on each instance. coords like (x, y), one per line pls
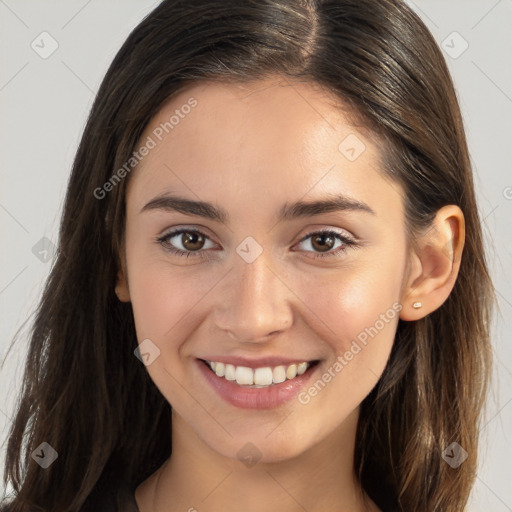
(86, 394)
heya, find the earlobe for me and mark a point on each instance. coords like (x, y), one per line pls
(436, 263)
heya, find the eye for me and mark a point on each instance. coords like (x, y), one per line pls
(325, 241)
(191, 241)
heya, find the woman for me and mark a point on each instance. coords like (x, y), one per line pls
(271, 291)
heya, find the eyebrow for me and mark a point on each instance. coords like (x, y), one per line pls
(289, 211)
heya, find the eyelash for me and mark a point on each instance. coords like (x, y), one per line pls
(164, 241)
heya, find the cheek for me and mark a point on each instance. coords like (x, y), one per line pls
(349, 302)
(159, 300)
(162, 294)
(356, 314)
(166, 303)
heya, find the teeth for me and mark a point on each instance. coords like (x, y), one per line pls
(219, 369)
(263, 376)
(259, 377)
(291, 371)
(279, 374)
(229, 373)
(244, 376)
(301, 368)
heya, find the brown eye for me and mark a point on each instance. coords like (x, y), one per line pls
(185, 242)
(323, 242)
(192, 240)
(327, 243)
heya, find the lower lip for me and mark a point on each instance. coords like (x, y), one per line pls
(256, 398)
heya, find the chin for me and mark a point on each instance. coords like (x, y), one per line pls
(253, 447)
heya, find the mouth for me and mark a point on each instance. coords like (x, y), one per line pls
(260, 377)
(258, 384)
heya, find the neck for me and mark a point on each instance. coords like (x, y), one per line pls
(197, 478)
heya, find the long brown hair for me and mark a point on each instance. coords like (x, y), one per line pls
(86, 394)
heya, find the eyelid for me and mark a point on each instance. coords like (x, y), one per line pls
(185, 227)
(180, 230)
(319, 231)
(347, 241)
(175, 230)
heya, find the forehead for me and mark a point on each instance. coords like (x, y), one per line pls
(258, 141)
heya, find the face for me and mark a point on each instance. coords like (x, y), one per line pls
(260, 280)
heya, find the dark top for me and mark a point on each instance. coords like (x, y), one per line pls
(126, 503)
(120, 500)
(123, 500)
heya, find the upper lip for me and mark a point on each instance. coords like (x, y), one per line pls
(257, 363)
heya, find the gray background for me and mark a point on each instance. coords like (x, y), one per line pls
(44, 104)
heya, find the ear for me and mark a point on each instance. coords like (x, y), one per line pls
(434, 264)
(122, 290)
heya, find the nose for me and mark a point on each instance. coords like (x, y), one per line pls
(255, 302)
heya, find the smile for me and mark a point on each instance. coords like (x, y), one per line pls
(258, 377)
(263, 384)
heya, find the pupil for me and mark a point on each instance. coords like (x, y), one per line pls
(323, 246)
(191, 238)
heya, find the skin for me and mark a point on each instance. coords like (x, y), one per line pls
(250, 149)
